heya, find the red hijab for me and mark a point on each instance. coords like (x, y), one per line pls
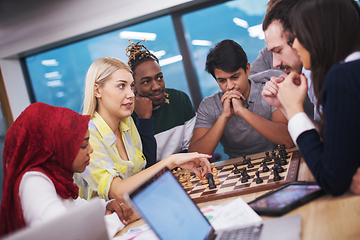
(45, 139)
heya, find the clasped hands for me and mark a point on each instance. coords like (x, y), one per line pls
(287, 93)
(232, 103)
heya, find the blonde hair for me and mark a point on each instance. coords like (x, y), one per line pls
(98, 72)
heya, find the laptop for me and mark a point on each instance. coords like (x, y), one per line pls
(171, 214)
(83, 223)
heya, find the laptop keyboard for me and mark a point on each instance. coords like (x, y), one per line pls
(248, 233)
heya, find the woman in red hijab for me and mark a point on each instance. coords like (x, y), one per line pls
(43, 148)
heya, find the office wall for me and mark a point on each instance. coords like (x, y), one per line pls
(31, 26)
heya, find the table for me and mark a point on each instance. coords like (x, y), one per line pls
(324, 218)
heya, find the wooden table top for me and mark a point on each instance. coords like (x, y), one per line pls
(324, 218)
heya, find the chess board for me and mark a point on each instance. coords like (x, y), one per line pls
(231, 185)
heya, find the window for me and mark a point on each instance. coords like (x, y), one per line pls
(237, 20)
(57, 76)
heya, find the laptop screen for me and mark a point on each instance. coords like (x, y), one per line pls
(169, 210)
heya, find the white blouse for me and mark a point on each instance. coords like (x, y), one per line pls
(40, 202)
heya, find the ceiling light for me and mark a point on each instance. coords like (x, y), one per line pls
(201, 43)
(256, 31)
(240, 22)
(167, 61)
(50, 62)
(159, 54)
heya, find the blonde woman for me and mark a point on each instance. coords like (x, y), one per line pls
(117, 161)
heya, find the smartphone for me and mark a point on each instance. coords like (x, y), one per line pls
(286, 198)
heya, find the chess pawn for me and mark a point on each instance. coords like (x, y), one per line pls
(244, 173)
(245, 159)
(236, 170)
(244, 179)
(276, 174)
(258, 179)
(265, 167)
(267, 158)
(181, 179)
(250, 165)
(175, 174)
(188, 184)
(216, 180)
(214, 170)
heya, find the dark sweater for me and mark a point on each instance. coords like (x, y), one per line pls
(335, 160)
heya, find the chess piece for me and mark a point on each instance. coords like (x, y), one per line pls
(210, 179)
(181, 179)
(245, 159)
(175, 174)
(188, 184)
(283, 149)
(267, 158)
(258, 179)
(265, 167)
(278, 165)
(244, 178)
(276, 174)
(214, 169)
(273, 154)
(216, 180)
(236, 170)
(283, 159)
(250, 165)
(244, 173)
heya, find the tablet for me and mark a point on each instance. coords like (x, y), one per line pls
(286, 198)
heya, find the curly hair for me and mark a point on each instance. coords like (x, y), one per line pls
(138, 53)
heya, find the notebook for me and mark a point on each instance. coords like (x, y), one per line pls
(83, 223)
(171, 214)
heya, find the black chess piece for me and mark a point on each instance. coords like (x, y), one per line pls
(245, 160)
(236, 170)
(276, 174)
(273, 154)
(258, 179)
(244, 173)
(284, 151)
(245, 176)
(265, 167)
(244, 179)
(278, 165)
(267, 158)
(282, 155)
(283, 160)
(250, 165)
(211, 181)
